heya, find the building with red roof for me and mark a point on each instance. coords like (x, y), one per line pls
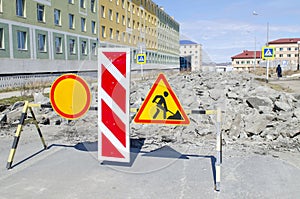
(246, 60)
(287, 52)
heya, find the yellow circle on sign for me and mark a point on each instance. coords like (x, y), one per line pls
(70, 96)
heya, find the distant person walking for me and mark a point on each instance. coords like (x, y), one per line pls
(279, 71)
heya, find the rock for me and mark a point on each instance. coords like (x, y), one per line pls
(232, 95)
(45, 121)
(168, 138)
(282, 106)
(256, 102)
(255, 123)
(235, 129)
(3, 118)
(58, 122)
(17, 105)
(39, 98)
(297, 113)
(47, 90)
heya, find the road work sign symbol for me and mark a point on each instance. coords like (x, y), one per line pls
(70, 96)
(268, 52)
(141, 58)
(161, 106)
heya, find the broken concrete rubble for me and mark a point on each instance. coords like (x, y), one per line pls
(250, 112)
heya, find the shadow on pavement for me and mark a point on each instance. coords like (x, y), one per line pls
(135, 149)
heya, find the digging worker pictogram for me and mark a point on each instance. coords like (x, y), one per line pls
(161, 104)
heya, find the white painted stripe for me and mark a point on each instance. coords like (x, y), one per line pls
(112, 138)
(115, 108)
(218, 173)
(114, 71)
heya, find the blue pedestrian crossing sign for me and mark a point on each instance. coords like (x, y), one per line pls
(268, 53)
(141, 58)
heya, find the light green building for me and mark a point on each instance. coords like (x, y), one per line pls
(39, 36)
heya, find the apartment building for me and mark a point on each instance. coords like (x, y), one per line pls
(247, 60)
(39, 36)
(144, 27)
(194, 51)
(287, 52)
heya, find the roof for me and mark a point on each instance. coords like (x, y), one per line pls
(184, 42)
(285, 41)
(247, 54)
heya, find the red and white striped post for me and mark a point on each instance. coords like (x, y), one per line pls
(113, 104)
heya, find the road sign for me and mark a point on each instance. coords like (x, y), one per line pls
(268, 53)
(141, 58)
(113, 104)
(70, 96)
(161, 106)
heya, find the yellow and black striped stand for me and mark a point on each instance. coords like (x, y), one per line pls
(27, 106)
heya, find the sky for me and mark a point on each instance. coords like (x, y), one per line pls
(227, 27)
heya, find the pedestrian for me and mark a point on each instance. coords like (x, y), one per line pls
(279, 71)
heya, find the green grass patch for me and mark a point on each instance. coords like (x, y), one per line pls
(12, 100)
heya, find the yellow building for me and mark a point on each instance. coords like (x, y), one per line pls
(144, 27)
(286, 52)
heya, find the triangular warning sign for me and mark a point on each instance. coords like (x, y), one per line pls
(161, 106)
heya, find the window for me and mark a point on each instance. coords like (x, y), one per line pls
(71, 1)
(123, 37)
(289, 49)
(58, 45)
(118, 35)
(57, 17)
(111, 36)
(117, 2)
(20, 8)
(1, 8)
(289, 55)
(83, 25)
(94, 47)
(110, 14)
(22, 40)
(71, 21)
(103, 31)
(2, 46)
(128, 23)
(40, 12)
(117, 17)
(123, 20)
(82, 3)
(128, 6)
(280, 55)
(72, 46)
(42, 42)
(93, 6)
(123, 3)
(280, 49)
(83, 48)
(102, 11)
(93, 23)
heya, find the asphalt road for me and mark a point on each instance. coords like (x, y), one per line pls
(73, 171)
